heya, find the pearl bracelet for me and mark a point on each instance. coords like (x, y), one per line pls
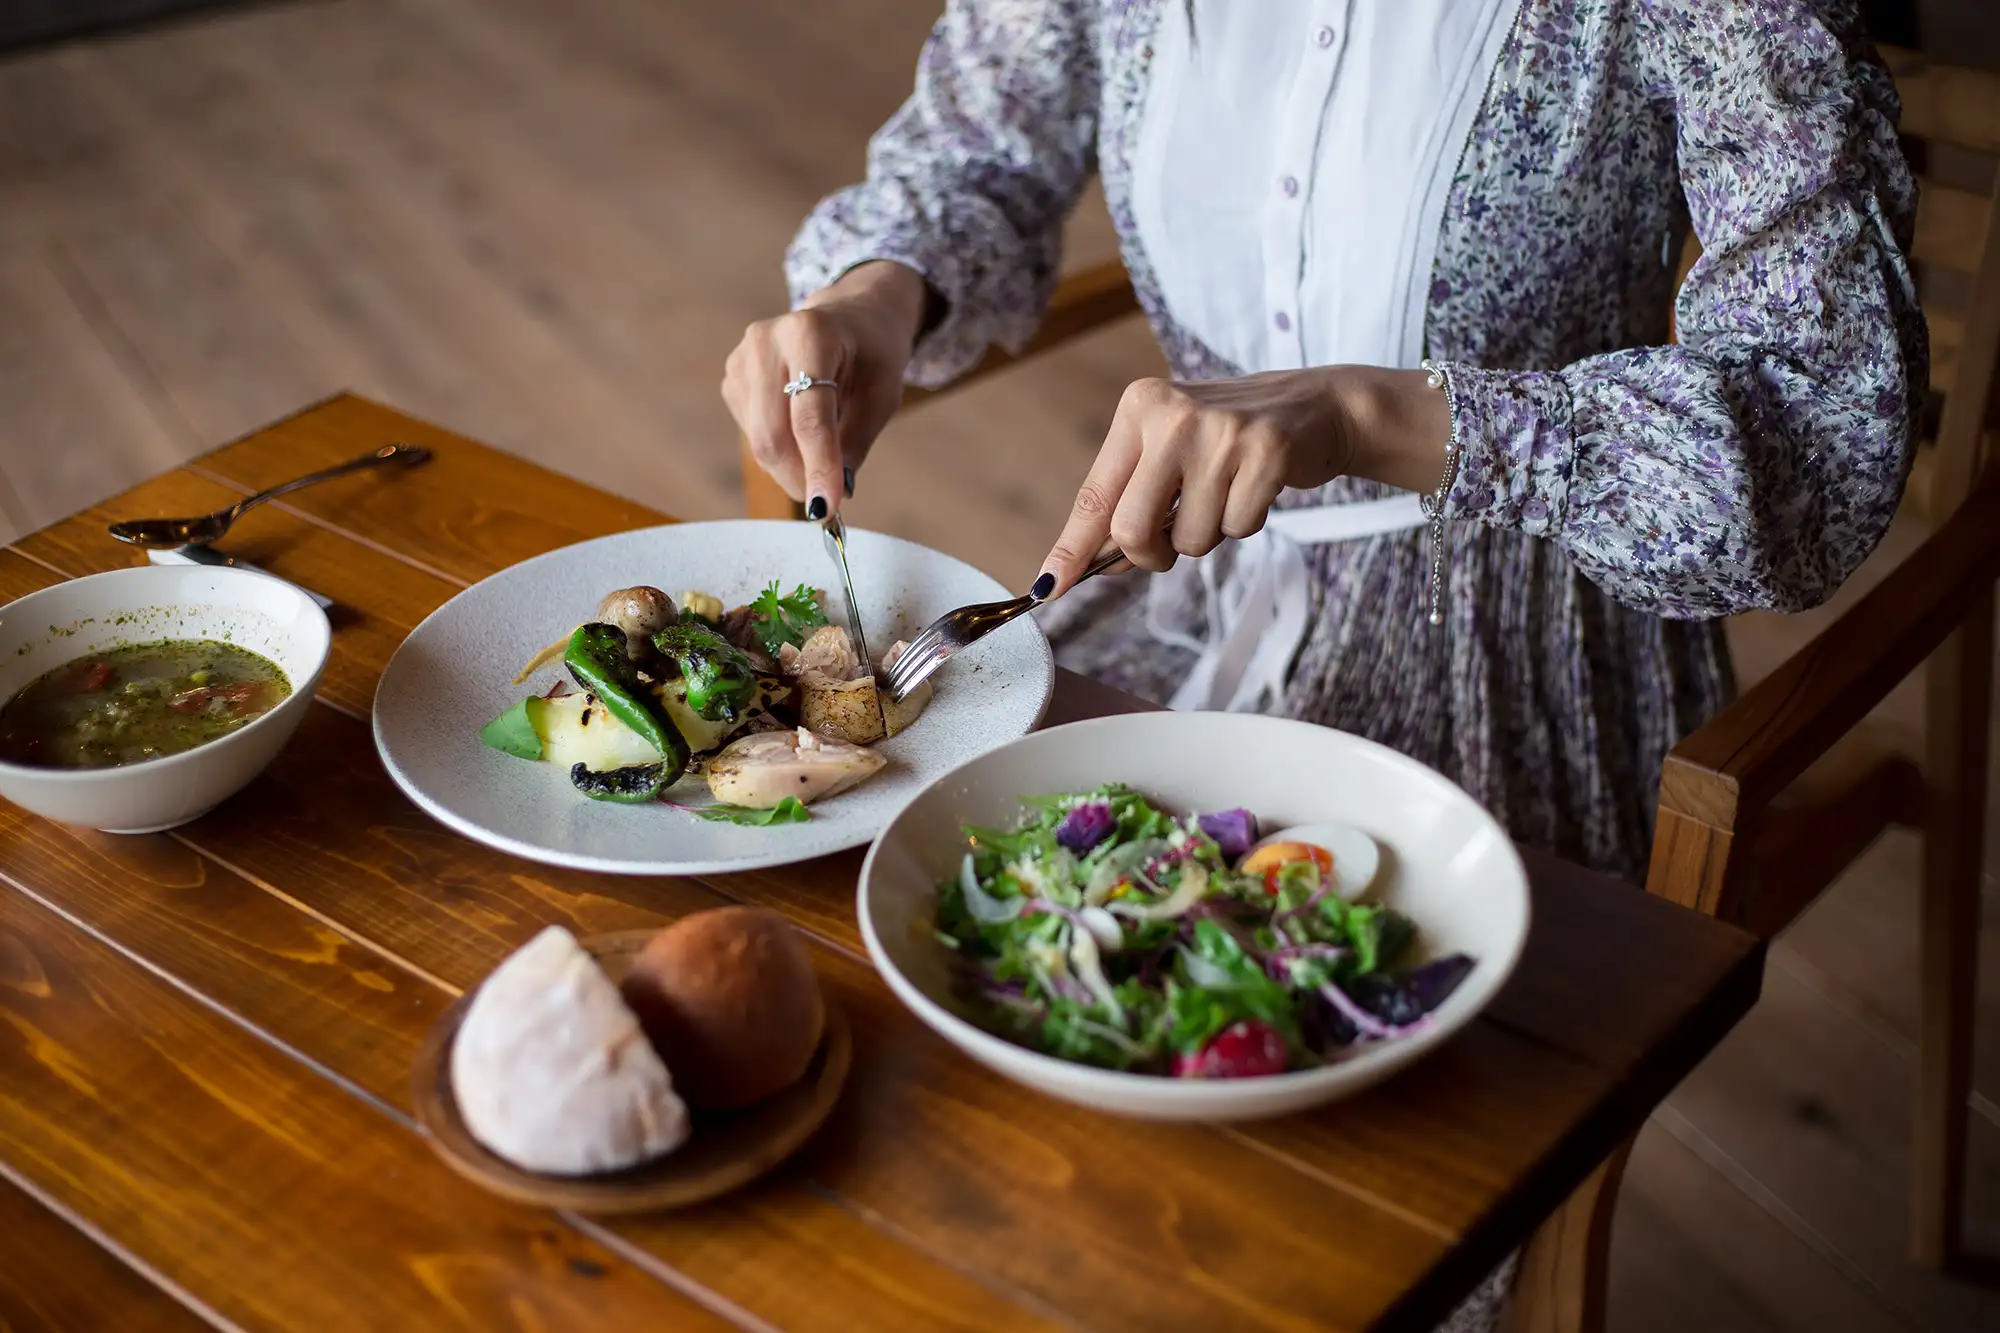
(1433, 505)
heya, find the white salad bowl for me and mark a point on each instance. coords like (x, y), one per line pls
(265, 615)
(1445, 863)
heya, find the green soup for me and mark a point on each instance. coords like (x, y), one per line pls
(141, 701)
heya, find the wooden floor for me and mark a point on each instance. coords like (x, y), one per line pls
(544, 225)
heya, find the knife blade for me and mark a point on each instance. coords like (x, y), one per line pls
(208, 555)
(835, 533)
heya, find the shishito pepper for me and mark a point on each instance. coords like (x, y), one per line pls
(721, 682)
(596, 659)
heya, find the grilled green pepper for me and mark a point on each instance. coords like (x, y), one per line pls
(596, 658)
(721, 683)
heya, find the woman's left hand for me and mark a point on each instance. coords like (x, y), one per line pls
(1225, 448)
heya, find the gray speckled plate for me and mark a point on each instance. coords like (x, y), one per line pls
(451, 676)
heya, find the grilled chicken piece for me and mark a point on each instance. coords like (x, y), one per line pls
(761, 770)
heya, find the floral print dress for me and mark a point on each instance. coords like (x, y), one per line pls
(1617, 492)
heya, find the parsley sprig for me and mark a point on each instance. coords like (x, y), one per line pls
(783, 618)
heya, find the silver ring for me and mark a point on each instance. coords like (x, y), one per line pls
(802, 381)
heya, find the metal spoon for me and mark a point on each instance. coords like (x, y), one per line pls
(172, 533)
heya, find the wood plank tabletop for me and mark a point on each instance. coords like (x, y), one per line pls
(206, 1040)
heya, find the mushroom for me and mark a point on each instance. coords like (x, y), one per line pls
(761, 770)
(640, 613)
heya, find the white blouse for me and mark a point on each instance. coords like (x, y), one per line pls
(1293, 161)
(1292, 166)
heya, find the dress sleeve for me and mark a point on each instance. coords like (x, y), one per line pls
(970, 182)
(1755, 464)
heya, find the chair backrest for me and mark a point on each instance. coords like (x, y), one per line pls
(1956, 110)
(1717, 793)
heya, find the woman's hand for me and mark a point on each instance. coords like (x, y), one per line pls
(859, 333)
(1225, 448)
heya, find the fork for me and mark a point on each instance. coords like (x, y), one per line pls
(967, 625)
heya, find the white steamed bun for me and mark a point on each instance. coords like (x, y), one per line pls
(553, 1072)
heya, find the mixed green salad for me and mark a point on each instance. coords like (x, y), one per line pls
(1108, 931)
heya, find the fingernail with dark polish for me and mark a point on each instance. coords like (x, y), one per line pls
(847, 480)
(1044, 585)
(817, 509)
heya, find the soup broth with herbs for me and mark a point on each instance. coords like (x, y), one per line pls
(140, 701)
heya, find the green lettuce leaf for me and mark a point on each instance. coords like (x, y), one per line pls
(1197, 1013)
(513, 732)
(787, 811)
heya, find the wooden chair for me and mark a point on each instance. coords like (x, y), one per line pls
(1764, 806)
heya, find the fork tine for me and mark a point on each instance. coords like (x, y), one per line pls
(927, 639)
(901, 689)
(946, 635)
(915, 657)
(912, 669)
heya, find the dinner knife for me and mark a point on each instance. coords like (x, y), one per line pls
(835, 533)
(208, 555)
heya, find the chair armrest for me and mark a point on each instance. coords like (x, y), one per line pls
(1945, 103)
(1727, 772)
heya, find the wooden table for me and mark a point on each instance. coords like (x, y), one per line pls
(206, 1040)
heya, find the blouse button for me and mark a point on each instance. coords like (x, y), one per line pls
(1282, 320)
(1324, 36)
(1290, 185)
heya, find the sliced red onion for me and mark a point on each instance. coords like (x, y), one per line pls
(1329, 952)
(1083, 957)
(1011, 998)
(1364, 1022)
(1067, 987)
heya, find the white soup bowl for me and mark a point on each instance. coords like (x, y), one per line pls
(46, 629)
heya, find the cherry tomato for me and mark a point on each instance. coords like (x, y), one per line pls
(1241, 1050)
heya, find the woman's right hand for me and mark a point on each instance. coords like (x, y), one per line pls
(859, 332)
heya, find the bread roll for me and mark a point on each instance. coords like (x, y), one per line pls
(553, 1072)
(730, 998)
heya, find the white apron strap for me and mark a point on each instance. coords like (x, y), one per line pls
(1257, 615)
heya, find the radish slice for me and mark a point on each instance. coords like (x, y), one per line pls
(1356, 857)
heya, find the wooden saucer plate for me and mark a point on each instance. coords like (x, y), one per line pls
(723, 1151)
